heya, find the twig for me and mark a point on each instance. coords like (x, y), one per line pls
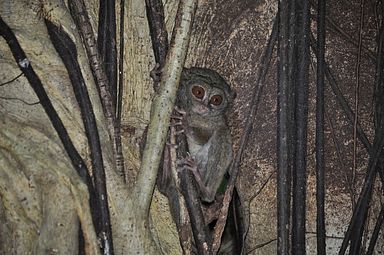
(258, 246)
(80, 16)
(357, 92)
(234, 169)
(106, 41)
(301, 119)
(12, 80)
(199, 228)
(119, 102)
(340, 158)
(376, 231)
(159, 36)
(19, 99)
(283, 135)
(184, 223)
(100, 210)
(262, 186)
(320, 112)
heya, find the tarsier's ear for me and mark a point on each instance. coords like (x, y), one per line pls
(185, 74)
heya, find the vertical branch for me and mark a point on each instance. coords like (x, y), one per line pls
(379, 87)
(358, 218)
(376, 231)
(283, 130)
(357, 91)
(158, 32)
(159, 36)
(320, 165)
(199, 229)
(80, 16)
(68, 53)
(106, 40)
(163, 104)
(119, 100)
(301, 111)
(176, 200)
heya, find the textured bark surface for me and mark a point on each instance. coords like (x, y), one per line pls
(42, 197)
(229, 37)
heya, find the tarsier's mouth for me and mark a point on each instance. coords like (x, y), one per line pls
(201, 109)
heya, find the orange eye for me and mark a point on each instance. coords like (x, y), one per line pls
(198, 92)
(216, 100)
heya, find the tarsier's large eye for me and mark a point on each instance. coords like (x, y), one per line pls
(198, 92)
(216, 100)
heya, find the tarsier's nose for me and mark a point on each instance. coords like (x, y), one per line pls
(202, 109)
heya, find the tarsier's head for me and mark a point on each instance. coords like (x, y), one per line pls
(204, 92)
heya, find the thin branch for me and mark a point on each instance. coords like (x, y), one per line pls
(176, 199)
(301, 118)
(357, 92)
(119, 102)
(100, 210)
(159, 36)
(262, 186)
(376, 232)
(258, 246)
(340, 159)
(320, 110)
(234, 169)
(199, 228)
(285, 56)
(359, 214)
(80, 16)
(12, 80)
(106, 41)
(20, 100)
(379, 96)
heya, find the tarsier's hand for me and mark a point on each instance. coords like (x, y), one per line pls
(178, 120)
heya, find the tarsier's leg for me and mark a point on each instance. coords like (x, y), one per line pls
(189, 163)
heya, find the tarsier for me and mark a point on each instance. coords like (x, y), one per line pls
(203, 100)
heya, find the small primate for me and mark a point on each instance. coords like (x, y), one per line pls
(203, 100)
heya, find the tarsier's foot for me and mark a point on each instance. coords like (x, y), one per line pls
(189, 163)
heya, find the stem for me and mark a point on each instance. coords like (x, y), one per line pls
(320, 164)
(163, 104)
